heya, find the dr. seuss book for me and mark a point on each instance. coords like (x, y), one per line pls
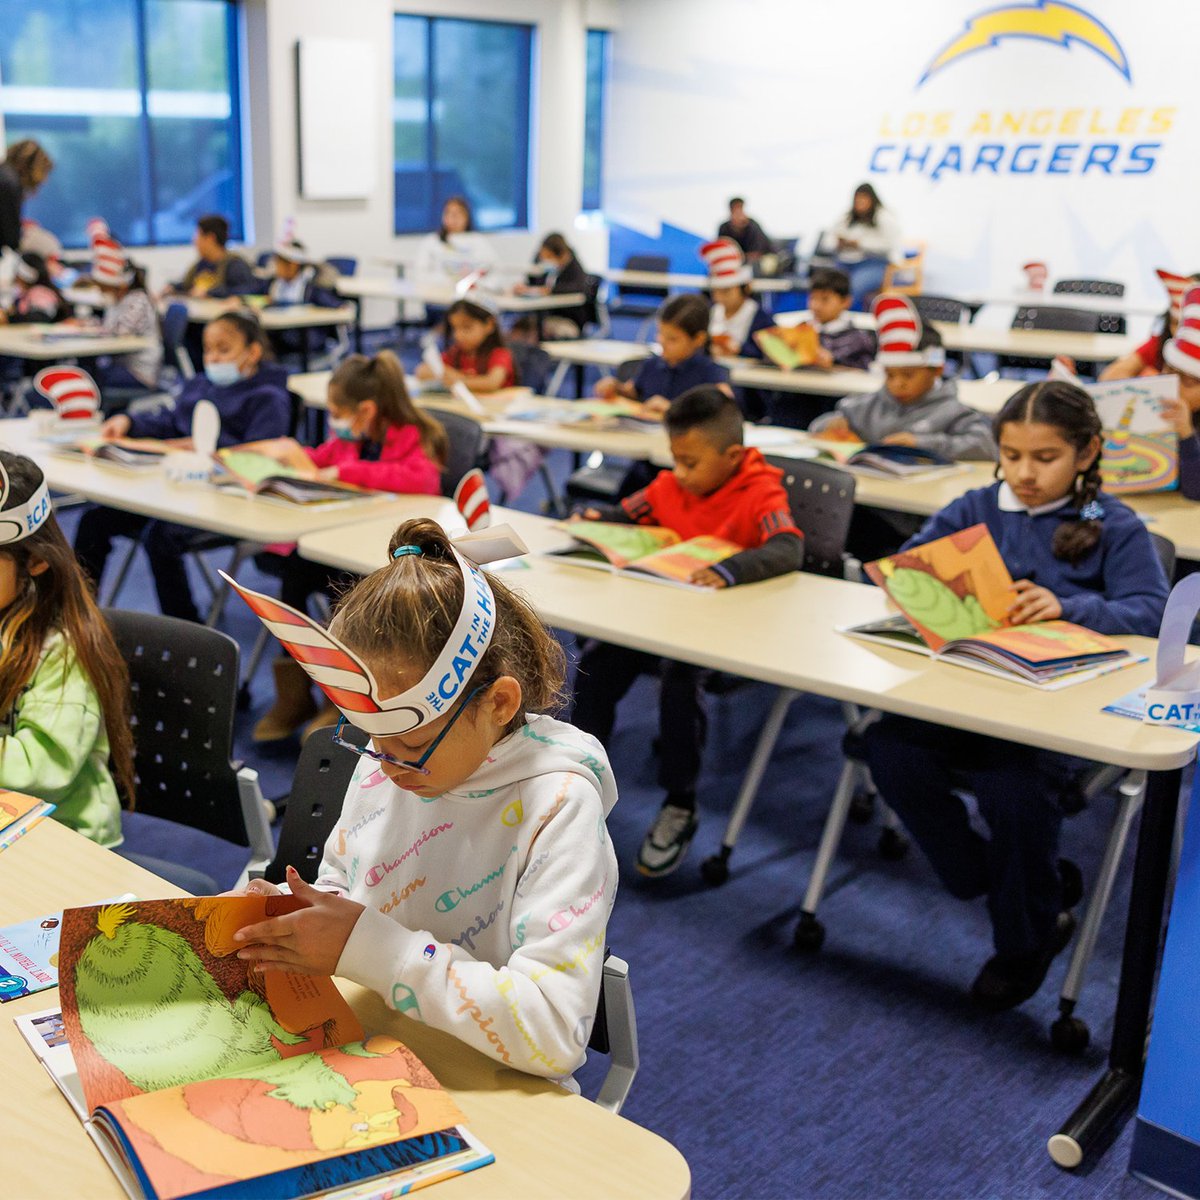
(954, 595)
(200, 1079)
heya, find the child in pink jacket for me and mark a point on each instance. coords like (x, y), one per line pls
(380, 440)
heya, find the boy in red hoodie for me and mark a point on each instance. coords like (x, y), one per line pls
(721, 488)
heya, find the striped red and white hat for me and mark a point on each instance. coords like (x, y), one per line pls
(1183, 351)
(727, 266)
(287, 245)
(110, 264)
(1176, 286)
(472, 500)
(898, 325)
(71, 391)
(97, 228)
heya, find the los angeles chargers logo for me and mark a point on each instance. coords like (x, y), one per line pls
(1043, 21)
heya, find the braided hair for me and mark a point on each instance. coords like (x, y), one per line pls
(1068, 409)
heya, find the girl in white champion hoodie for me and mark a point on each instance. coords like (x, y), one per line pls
(475, 897)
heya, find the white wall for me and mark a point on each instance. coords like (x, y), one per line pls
(787, 103)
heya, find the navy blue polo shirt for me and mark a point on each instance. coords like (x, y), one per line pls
(656, 378)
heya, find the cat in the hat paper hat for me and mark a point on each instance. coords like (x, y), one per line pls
(1148, 357)
(1181, 357)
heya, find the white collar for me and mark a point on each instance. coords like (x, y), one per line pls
(840, 322)
(1008, 502)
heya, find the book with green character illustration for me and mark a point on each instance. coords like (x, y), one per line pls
(954, 595)
(644, 551)
(201, 1079)
(261, 475)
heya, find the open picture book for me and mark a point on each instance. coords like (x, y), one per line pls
(19, 813)
(134, 454)
(1141, 448)
(644, 551)
(882, 460)
(261, 475)
(954, 595)
(594, 414)
(789, 347)
(196, 1079)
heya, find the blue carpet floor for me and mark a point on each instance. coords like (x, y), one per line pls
(859, 1072)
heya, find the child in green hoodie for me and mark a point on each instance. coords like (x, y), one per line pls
(64, 688)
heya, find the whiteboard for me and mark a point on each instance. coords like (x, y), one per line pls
(337, 109)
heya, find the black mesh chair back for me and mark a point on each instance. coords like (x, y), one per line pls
(821, 498)
(637, 297)
(174, 330)
(343, 264)
(184, 679)
(940, 308)
(628, 369)
(533, 365)
(1090, 287)
(1074, 320)
(467, 441)
(318, 787)
(591, 306)
(1165, 549)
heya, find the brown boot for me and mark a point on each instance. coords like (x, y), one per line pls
(293, 703)
(327, 716)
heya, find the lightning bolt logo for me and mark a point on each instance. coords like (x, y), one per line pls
(1044, 21)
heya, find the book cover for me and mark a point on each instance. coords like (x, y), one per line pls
(955, 587)
(789, 347)
(201, 1076)
(1141, 450)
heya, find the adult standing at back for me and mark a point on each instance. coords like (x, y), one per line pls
(25, 168)
(456, 249)
(745, 230)
(862, 243)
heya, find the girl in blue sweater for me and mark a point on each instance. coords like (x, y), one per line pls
(250, 393)
(1077, 555)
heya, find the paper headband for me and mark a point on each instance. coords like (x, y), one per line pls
(348, 682)
(467, 288)
(1174, 696)
(16, 524)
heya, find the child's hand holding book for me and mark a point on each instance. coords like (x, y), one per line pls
(1033, 604)
(708, 578)
(307, 942)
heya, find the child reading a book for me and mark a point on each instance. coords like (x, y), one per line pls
(477, 355)
(250, 394)
(380, 440)
(1181, 357)
(916, 407)
(36, 296)
(470, 878)
(1075, 554)
(64, 687)
(843, 344)
(735, 316)
(130, 311)
(684, 361)
(721, 488)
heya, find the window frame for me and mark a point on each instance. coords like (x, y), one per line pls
(594, 203)
(147, 175)
(522, 150)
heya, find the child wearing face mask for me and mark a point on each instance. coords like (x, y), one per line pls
(249, 392)
(379, 440)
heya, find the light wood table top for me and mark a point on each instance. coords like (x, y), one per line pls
(675, 279)
(374, 287)
(201, 310)
(1035, 343)
(547, 1143)
(53, 343)
(198, 505)
(783, 632)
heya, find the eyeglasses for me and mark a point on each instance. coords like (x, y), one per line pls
(381, 756)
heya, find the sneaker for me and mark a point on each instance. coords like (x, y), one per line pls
(1009, 980)
(668, 840)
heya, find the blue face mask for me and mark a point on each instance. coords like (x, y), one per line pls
(342, 428)
(222, 374)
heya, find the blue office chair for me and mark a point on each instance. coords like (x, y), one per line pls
(343, 265)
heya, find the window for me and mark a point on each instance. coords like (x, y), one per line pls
(461, 118)
(593, 122)
(137, 103)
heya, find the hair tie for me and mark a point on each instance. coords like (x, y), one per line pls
(402, 551)
(1093, 510)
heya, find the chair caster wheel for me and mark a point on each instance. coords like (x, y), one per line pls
(715, 871)
(810, 934)
(862, 808)
(893, 845)
(1069, 1035)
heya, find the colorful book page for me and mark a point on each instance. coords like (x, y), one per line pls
(14, 806)
(620, 544)
(955, 587)
(29, 957)
(789, 348)
(252, 468)
(681, 562)
(154, 996)
(1048, 642)
(363, 1109)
